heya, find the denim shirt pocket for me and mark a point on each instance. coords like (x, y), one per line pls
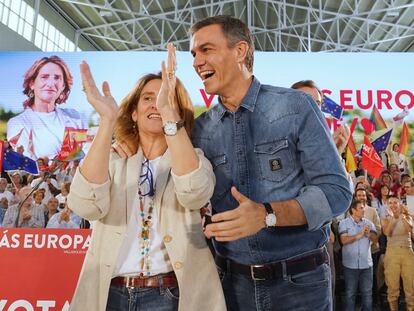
(275, 160)
(221, 169)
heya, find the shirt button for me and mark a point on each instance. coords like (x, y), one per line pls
(178, 265)
(167, 238)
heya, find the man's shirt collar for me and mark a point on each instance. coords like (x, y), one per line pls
(248, 102)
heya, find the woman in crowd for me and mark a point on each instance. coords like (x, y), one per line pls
(40, 127)
(148, 250)
(380, 201)
(398, 158)
(399, 256)
(64, 191)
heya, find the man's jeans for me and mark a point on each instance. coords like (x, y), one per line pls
(305, 291)
(353, 278)
(142, 299)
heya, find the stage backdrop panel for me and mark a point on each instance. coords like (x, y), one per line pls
(39, 268)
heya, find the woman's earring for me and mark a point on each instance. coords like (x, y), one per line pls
(31, 94)
(61, 96)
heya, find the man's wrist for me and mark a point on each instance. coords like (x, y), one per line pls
(270, 218)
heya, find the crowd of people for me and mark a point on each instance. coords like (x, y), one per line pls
(374, 242)
(38, 201)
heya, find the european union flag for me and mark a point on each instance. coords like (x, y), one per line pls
(380, 144)
(15, 161)
(329, 106)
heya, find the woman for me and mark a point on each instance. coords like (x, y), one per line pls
(38, 197)
(398, 158)
(41, 126)
(399, 256)
(380, 201)
(64, 191)
(148, 251)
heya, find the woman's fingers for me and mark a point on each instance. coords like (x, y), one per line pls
(105, 89)
(87, 80)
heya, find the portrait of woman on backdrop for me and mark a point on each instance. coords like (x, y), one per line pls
(40, 127)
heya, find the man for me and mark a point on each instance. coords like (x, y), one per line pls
(52, 209)
(30, 216)
(372, 215)
(341, 137)
(4, 204)
(279, 179)
(3, 192)
(406, 186)
(356, 234)
(370, 212)
(342, 133)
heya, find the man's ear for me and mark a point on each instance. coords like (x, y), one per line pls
(241, 48)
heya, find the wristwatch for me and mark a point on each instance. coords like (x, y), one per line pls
(171, 128)
(270, 219)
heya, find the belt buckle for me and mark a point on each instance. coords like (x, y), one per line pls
(129, 283)
(252, 272)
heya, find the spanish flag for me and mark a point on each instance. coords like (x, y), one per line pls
(350, 162)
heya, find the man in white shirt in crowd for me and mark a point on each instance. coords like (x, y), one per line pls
(356, 234)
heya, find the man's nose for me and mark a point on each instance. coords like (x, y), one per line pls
(198, 62)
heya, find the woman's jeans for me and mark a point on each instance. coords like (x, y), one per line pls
(122, 298)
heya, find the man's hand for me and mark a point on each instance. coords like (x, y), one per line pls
(366, 230)
(26, 215)
(64, 215)
(245, 220)
(341, 137)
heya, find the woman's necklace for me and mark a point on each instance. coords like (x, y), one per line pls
(146, 192)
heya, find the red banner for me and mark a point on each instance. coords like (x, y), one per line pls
(371, 160)
(39, 268)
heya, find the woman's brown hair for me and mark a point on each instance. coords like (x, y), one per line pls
(125, 130)
(32, 73)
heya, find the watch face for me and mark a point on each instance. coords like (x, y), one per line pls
(271, 220)
(170, 128)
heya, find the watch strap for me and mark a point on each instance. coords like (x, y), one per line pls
(180, 124)
(268, 207)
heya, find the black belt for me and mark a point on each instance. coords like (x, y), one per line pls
(274, 270)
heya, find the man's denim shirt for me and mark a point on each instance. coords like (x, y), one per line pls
(275, 147)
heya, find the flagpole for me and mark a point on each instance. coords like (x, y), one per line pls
(16, 223)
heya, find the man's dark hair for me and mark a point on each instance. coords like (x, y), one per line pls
(306, 83)
(234, 30)
(354, 204)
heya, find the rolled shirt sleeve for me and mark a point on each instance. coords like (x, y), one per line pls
(327, 192)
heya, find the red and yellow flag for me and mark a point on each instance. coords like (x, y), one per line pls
(350, 162)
